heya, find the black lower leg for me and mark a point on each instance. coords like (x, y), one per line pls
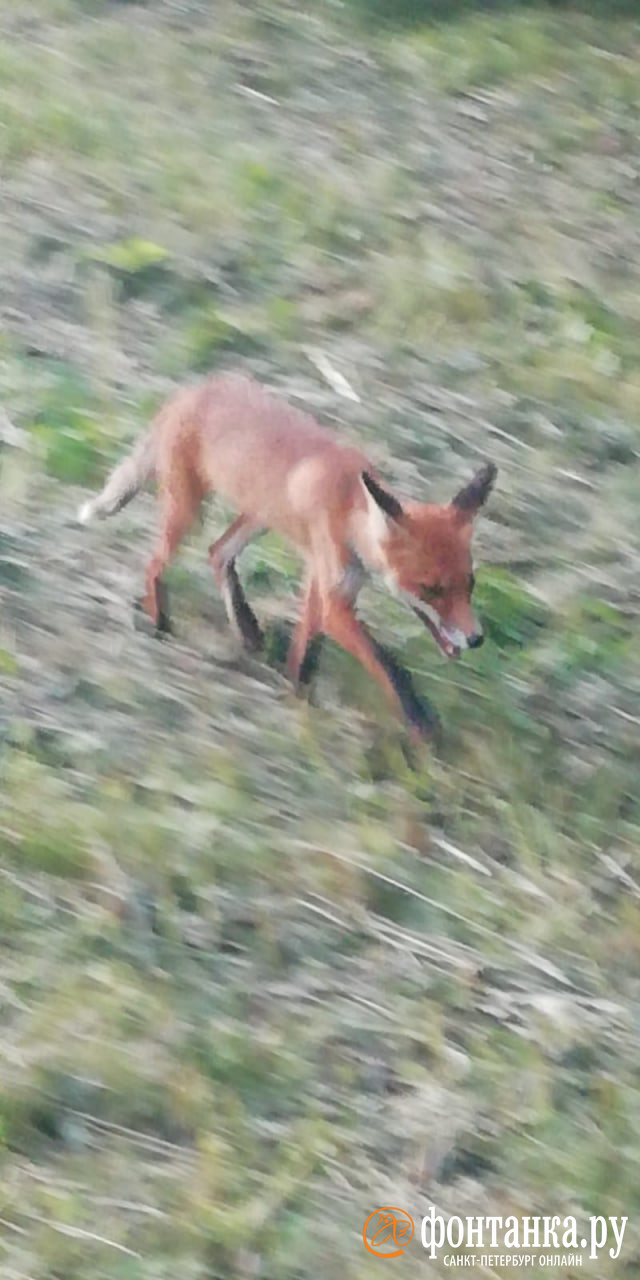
(309, 664)
(420, 714)
(163, 625)
(245, 618)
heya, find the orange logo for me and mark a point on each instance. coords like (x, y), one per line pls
(390, 1231)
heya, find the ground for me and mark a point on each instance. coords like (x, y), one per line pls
(260, 972)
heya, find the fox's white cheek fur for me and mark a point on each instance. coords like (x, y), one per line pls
(432, 615)
(414, 603)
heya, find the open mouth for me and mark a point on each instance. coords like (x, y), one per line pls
(443, 641)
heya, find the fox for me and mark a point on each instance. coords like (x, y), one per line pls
(282, 471)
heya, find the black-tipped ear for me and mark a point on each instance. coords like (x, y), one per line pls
(474, 494)
(383, 499)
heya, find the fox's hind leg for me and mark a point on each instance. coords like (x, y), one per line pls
(222, 555)
(178, 513)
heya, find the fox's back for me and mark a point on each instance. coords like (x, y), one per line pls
(263, 455)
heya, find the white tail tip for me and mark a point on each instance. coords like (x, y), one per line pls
(85, 513)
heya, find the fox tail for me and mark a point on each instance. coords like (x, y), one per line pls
(124, 482)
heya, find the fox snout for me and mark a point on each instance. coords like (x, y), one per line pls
(450, 637)
(459, 637)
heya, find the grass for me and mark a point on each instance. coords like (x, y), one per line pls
(259, 975)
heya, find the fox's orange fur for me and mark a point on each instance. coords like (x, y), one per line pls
(280, 470)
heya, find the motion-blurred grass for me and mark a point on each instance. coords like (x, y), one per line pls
(257, 976)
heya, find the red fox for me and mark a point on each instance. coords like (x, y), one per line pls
(282, 471)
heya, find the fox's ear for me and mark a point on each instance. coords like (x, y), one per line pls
(474, 494)
(384, 500)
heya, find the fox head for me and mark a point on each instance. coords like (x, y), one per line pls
(424, 552)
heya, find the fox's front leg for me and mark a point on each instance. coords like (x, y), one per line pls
(177, 514)
(341, 624)
(307, 638)
(222, 556)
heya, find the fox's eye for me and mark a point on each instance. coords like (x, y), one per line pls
(431, 593)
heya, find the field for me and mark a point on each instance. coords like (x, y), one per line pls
(260, 972)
